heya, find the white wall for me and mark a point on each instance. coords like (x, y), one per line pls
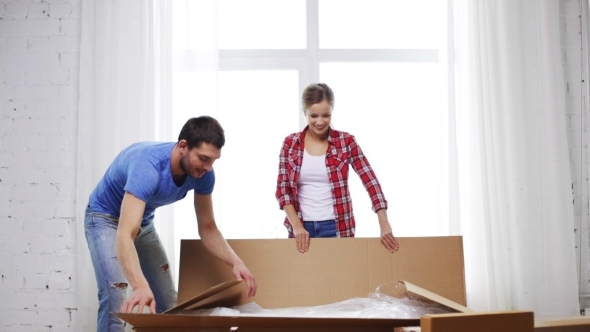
(577, 119)
(39, 48)
(39, 51)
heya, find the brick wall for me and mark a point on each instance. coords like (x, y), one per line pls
(39, 52)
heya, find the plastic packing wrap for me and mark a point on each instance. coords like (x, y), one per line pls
(390, 300)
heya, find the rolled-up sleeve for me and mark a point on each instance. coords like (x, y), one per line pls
(284, 193)
(361, 166)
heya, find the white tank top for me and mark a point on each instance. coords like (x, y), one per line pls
(314, 189)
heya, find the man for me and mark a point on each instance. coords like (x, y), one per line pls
(123, 243)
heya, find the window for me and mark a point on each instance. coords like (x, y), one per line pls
(381, 59)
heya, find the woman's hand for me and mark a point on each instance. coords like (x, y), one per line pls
(387, 239)
(301, 235)
(301, 238)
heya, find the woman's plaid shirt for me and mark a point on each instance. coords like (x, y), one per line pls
(343, 150)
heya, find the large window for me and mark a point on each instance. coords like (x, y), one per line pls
(381, 59)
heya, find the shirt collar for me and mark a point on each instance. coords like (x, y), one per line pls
(332, 134)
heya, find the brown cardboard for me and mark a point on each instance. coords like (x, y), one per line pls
(335, 269)
(169, 322)
(505, 321)
(407, 329)
(565, 324)
(332, 270)
(185, 321)
(206, 294)
(430, 296)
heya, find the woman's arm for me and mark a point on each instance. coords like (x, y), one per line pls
(387, 239)
(361, 166)
(301, 235)
(283, 193)
(284, 196)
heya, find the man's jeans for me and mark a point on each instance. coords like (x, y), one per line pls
(100, 232)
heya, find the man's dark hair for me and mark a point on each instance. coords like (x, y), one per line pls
(202, 129)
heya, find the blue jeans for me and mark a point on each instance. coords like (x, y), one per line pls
(326, 228)
(100, 232)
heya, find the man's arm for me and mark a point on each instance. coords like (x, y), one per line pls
(132, 209)
(214, 241)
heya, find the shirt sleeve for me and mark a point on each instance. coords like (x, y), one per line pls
(205, 184)
(361, 166)
(142, 180)
(283, 193)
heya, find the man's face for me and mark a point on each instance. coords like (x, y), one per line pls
(199, 160)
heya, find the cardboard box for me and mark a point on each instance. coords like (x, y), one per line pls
(566, 324)
(332, 270)
(407, 329)
(512, 321)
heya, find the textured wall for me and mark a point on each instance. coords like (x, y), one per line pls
(39, 52)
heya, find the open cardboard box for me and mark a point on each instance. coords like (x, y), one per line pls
(332, 270)
(564, 324)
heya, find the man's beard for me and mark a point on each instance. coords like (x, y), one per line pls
(185, 167)
(184, 164)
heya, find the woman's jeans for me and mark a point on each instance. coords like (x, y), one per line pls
(326, 228)
(100, 232)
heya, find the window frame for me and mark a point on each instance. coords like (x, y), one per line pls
(307, 61)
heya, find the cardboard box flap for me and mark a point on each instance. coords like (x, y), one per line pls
(228, 299)
(204, 295)
(563, 321)
(428, 295)
(505, 321)
(196, 321)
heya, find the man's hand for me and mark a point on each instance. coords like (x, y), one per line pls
(141, 297)
(301, 238)
(241, 272)
(217, 245)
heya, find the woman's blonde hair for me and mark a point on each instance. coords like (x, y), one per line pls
(316, 93)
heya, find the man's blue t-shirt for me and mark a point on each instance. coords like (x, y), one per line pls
(143, 169)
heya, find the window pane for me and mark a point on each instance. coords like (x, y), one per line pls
(393, 111)
(194, 24)
(193, 95)
(258, 109)
(385, 24)
(262, 24)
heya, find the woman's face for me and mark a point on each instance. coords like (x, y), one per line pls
(319, 116)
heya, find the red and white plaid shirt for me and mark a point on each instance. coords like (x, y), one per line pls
(343, 150)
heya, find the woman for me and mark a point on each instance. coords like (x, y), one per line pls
(312, 185)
